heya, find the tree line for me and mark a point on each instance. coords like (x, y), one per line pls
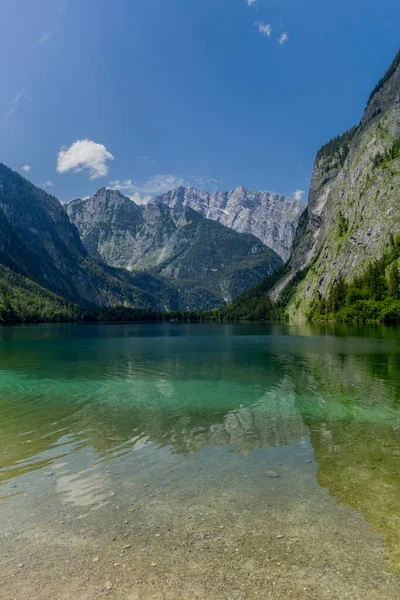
(374, 295)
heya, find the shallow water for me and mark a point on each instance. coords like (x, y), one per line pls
(199, 461)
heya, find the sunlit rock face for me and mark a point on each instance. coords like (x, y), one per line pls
(270, 217)
(353, 213)
(175, 242)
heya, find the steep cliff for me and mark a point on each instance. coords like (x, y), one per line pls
(272, 218)
(353, 215)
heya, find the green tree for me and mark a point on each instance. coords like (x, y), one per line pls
(394, 280)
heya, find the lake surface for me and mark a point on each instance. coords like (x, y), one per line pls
(199, 461)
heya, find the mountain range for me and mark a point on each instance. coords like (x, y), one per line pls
(107, 251)
(188, 249)
(272, 218)
(39, 242)
(177, 243)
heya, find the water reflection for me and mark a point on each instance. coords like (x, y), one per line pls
(354, 421)
(74, 398)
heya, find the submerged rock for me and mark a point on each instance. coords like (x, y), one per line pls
(272, 474)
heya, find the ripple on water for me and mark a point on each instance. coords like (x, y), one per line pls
(125, 436)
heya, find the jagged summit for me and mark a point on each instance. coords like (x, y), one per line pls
(271, 217)
(175, 242)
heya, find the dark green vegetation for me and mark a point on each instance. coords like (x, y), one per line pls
(389, 73)
(343, 224)
(372, 296)
(177, 244)
(23, 301)
(382, 160)
(256, 305)
(337, 147)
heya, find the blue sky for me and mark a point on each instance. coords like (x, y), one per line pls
(155, 93)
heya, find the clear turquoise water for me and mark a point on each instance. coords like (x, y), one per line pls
(193, 421)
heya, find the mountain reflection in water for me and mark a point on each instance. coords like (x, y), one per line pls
(101, 393)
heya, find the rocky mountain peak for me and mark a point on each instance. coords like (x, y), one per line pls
(104, 206)
(270, 217)
(212, 262)
(110, 195)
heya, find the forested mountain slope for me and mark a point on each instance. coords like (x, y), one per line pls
(176, 243)
(38, 241)
(353, 215)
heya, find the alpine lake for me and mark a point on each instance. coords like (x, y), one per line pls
(212, 462)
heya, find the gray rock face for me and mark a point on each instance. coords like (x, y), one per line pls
(176, 242)
(353, 211)
(270, 217)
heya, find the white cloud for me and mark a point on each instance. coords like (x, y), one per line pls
(298, 194)
(122, 186)
(26, 168)
(156, 185)
(206, 182)
(264, 28)
(47, 184)
(159, 184)
(283, 38)
(84, 154)
(19, 96)
(251, 2)
(45, 37)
